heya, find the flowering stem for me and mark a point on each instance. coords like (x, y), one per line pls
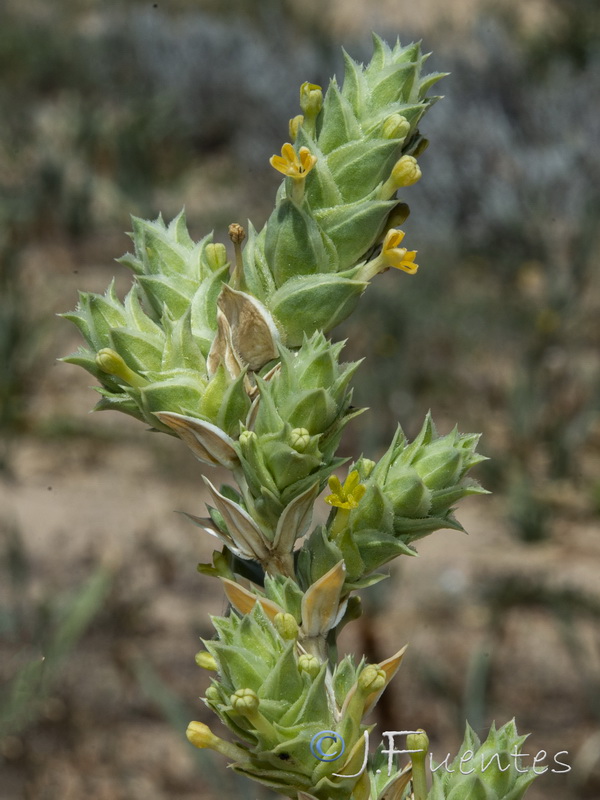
(419, 744)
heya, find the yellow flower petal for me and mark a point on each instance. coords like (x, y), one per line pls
(335, 485)
(288, 152)
(392, 239)
(398, 257)
(279, 163)
(347, 496)
(307, 160)
(407, 264)
(351, 481)
(359, 493)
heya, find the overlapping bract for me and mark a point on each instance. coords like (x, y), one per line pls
(412, 490)
(154, 347)
(410, 493)
(296, 425)
(305, 265)
(275, 699)
(489, 771)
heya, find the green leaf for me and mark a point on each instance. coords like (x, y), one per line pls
(359, 167)
(293, 244)
(140, 351)
(164, 291)
(307, 304)
(355, 87)
(283, 681)
(241, 668)
(354, 227)
(338, 124)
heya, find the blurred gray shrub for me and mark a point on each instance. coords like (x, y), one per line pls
(229, 78)
(513, 167)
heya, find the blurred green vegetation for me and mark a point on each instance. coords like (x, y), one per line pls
(42, 633)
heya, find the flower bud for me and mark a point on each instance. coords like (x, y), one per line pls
(371, 679)
(299, 439)
(200, 735)
(112, 363)
(419, 742)
(247, 437)
(406, 171)
(311, 99)
(212, 694)
(365, 467)
(205, 660)
(215, 255)
(244, 700)
(395, 127)
(246, 703)
(295, 125)
(237, 234)
(285, 625)
(221, 565)
(309, 664)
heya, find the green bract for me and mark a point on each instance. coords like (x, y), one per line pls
(150, 352)
(412, 490)
(494, 771)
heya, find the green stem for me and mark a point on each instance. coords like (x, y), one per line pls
(298, 190)
(340, 522)
(418, 742)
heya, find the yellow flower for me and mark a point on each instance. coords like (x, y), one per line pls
(398, 257)
(347, 496)
(294, 165)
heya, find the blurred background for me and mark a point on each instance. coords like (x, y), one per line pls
(108, 109)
